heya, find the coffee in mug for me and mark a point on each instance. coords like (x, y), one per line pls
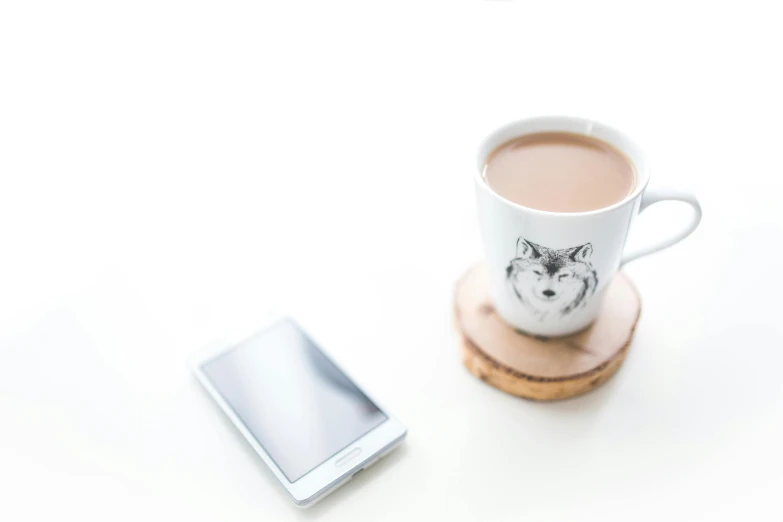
(560, 172)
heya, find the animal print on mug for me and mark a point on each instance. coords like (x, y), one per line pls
(552, 281)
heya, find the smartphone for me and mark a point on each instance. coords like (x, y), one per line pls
(307, 420)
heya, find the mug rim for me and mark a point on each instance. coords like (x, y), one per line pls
(574, 125)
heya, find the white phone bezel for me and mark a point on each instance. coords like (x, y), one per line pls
(327, 476)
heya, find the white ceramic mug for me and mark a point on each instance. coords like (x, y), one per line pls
(589, 245)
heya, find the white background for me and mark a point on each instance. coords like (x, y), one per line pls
(171, 169)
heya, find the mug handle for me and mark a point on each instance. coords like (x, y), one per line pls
(651, 196)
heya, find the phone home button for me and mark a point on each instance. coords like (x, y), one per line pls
(348, 456)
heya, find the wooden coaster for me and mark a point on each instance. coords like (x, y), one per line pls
(540, 368)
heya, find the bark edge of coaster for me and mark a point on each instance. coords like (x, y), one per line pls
(539, 368)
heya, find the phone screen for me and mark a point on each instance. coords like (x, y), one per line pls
(298, 405)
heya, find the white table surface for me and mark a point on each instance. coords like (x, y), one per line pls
(171, 169)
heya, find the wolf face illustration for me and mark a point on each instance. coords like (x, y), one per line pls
(552, 281)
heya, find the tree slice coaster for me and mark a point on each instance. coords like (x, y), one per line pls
(536, 367)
